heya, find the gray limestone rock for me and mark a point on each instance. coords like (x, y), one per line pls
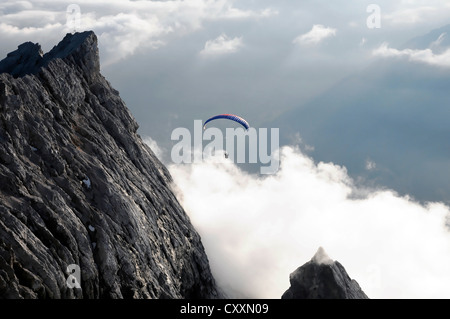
(322, 278)
(79, 187)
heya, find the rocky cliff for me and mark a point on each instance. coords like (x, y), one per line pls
(322, 278)
(79, 190)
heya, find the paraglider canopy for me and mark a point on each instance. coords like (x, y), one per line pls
(232, 117)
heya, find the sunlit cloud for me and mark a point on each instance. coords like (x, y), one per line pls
(424, 56)
(157, 150)
(222, 45)
(317, 34)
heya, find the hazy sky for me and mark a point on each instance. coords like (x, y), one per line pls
(365, 100)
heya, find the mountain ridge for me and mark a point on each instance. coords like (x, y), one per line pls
(29, 57)
(322, 278)
(79, 187)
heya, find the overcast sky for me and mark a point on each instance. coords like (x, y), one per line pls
(309, 65)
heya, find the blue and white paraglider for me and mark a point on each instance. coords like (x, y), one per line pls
(232, 117)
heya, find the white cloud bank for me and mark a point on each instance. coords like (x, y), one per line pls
(222, 45)
(317, 34)
(424, 56)
(256, 231)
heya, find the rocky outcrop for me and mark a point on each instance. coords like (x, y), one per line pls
(322, 278)
(80, 190)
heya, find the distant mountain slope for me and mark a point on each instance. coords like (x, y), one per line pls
(437, 39)
(79, 188)
(394, 114)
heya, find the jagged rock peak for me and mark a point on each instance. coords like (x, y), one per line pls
(321, 257)
(79, 49)
(322, 278)
(79, 188)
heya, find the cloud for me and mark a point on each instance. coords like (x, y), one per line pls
(256, 231)
(123, 26)
(411, 15)
(317, 34)
(439, 40)
(424, 56)
(222, 45)
(362, 42)
(370, 165)
(157, 150)
(234, 13)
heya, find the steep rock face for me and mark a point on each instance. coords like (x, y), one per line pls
(79, 187)
(322, 278)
